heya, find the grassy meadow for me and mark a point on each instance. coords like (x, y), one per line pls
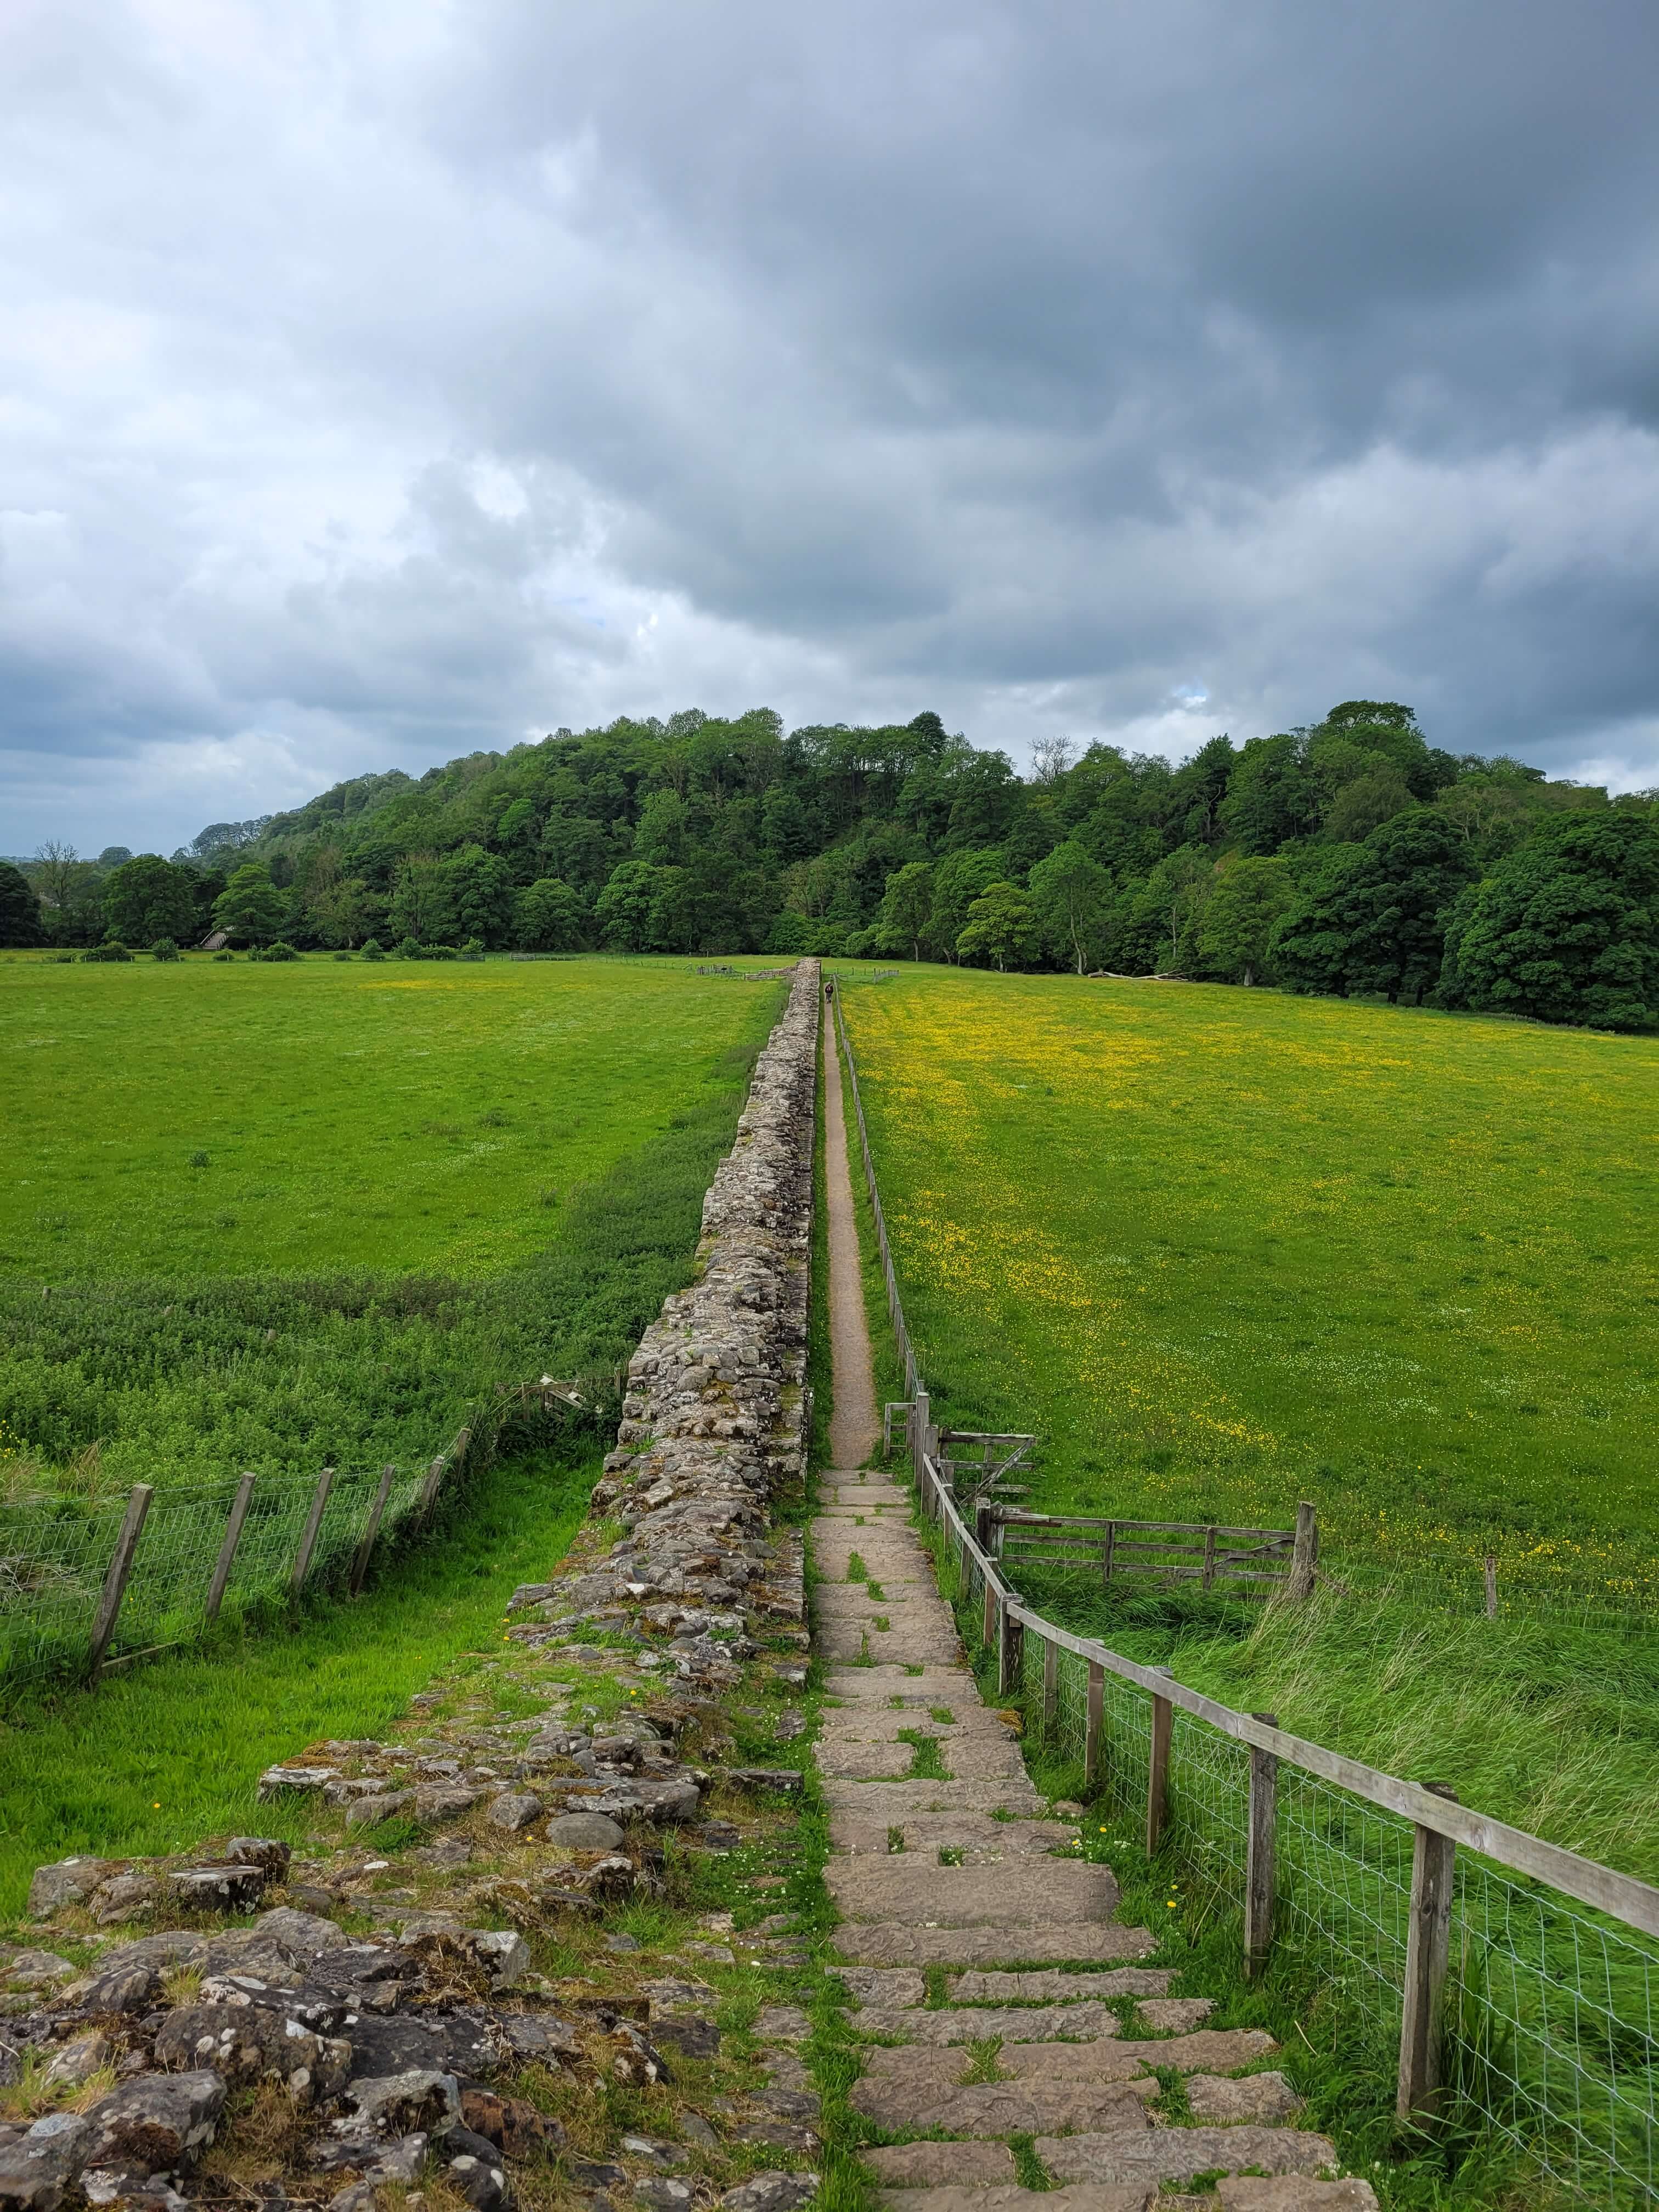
(287, 1216)
(190, 1118)
(1225, 1250)
(1222, 1250)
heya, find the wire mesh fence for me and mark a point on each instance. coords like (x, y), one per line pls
(1551, 2013)
(57, 1559)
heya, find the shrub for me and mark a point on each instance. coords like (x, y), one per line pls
(439, 952)
(62, 959)
(410, 949)
(281, 950)
(198, 1159)
(372, 949)
(110, 949)
(224, 956)
(473, 949)
(342, 955)
(164, 948)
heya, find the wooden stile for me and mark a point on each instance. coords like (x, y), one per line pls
(120, 1566)
(238, 1505)
(1260, 1853)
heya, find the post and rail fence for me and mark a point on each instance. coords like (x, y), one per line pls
(1517, 1982)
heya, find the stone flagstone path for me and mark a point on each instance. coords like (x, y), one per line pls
(944, 1871)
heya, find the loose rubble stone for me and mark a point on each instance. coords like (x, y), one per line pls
(782, 2024)
(400, 2104)
(70, 1882)
(219, 1888)
(248, 2043)
(772, 2192)
(36, 1970)
(514, 1809)
(386, 1804)
(157, 2123)
(265, 1852)
(38, 2169)
(77, 2061)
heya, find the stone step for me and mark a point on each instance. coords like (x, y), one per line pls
(884, 1681)
(892, 1803)
(962, 1758)
(903, 1644)
(1048, 1985)
(983, 1841)
(1108, 2059)
(885, 1723)
(969, 2198)
(893, 1987)
(1160, 2155)
(906, 1888)
(936, 2165)
(881, 1943)
(976, 2023)
(1005, 2108)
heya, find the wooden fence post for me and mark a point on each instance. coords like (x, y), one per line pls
(1094, 1716)
(120, 1566)
(435, 1475)
(1428, 1947)
(1157, 1769)
(1491, 1587)
(987, 1613)
(221, 1565)
(1050, 1687)
(918, 1419)
(1111, 1546)
(309, 1533)
(1011, 1655)
(371, 1530)
(1304, 1555)
(1259, 1855)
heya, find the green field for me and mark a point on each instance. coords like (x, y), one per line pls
(1223, 1250)
(395, 1116)
(1229, 1250)
(292, 1215)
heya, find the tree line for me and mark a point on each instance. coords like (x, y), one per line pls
(1348, 856)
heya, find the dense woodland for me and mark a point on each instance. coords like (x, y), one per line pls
(1349, 856)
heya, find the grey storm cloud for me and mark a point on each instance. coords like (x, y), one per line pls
(387, 378)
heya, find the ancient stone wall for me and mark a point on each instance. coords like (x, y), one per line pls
(716, 1417)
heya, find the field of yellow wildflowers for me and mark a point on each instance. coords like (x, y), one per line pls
(1225, 1249)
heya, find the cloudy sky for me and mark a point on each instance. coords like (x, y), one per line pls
(384, 379)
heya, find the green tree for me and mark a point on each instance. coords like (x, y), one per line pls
(148, 897)
(906, 907)
(1000, 926)
(422, 904)
(1069, 896)
(1375, 921)
(957, 882)
(250, 906)
(1239, 916)
(1365, 802)
(480, 888)
(1567, 929)
(1272, 796)
(548, 916)
(19, 909)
